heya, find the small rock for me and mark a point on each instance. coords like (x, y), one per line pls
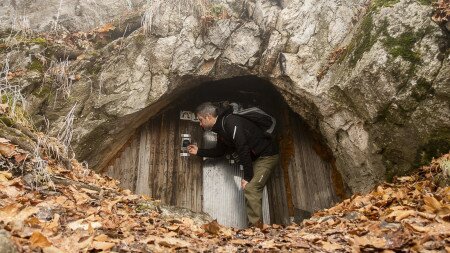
(352, 215)
(6, 246)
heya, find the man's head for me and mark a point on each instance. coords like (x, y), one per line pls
(207, 115)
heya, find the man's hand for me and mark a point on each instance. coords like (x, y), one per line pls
(192, 149)
(243, 183)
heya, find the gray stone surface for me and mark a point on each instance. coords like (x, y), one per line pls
(6, 246)
(380, 106)
(71, 15)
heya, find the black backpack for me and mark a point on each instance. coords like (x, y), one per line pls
(259, 117)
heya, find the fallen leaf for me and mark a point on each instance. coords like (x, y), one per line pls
(173, 228)
(33, 222)
(248, 232)
(241, 242)
(106, 28)
(301, 245)
(187, 222)
(3, 140)
(269, 244)
(25, 213)
(89, 191)
(7, 149)
(90, 229)
(101, 238)
(54, 224)
(52, 249)
(80, 198)
(405, 179)
(81, 224)
(417, 228)
(213, 227)
(330, 247)
(166, 241)
(102, 245)
(10, 191)
(84, 244)
(431, 204)
(444, 210)
(6, 174)
(20, 157)
(9, 211)
(39, 240)
(4, 177)
(375, 242)
(128, 240)
(110, 205)
(399, 215)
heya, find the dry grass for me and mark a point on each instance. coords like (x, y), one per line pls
(66, 132)
(61, 76)
(21, 25)
(198, 8)
(55, 24)
(11, 96)
(41, 174)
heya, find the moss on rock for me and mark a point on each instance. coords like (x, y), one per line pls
(38, 40)
(36, 65)
(377, 4)
(425, 2)
(42, 92)
(367, 36)
(6, 120)
(363, 41)
(403, 46)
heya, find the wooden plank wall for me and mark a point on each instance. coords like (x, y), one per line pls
(125, 167)
(278, 207)
(310, 176)
(153, 160)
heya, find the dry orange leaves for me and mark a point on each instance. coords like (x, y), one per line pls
(442, 12)
(91, 213)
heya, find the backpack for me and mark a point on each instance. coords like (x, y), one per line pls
(259, 117)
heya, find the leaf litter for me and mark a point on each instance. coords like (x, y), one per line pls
(83, 211)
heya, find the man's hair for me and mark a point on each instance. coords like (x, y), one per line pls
(205, 109)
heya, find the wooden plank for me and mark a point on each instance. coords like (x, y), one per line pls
(143, 174)
(278, 207)
(310, 174)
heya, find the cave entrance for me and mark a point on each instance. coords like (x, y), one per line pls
(150, 163)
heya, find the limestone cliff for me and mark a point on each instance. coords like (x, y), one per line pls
(371, 77)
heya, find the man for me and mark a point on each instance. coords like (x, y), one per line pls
(257, 153)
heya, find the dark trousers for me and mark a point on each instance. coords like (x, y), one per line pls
(262, 168)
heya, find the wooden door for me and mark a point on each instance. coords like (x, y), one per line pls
(151, 163)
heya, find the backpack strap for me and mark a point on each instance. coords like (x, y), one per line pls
(223, 123)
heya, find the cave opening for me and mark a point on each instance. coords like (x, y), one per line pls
(305, 181)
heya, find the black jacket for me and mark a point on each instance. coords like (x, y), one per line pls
(241, 135)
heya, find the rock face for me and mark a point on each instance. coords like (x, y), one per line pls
(371, 77)
(71, 15)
